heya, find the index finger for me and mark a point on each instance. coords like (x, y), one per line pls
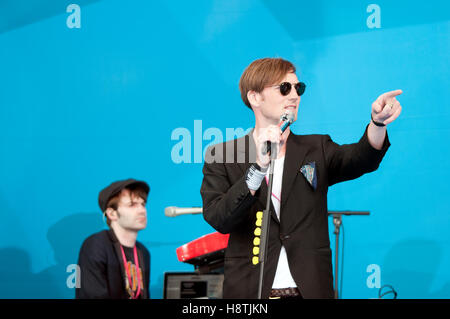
(390, 94)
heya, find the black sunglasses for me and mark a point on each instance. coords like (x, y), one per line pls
(285, 88)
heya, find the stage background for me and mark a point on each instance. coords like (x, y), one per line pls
(83, 106)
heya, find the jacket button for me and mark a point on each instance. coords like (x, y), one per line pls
(284, 237)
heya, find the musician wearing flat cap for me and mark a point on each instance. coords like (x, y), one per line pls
(113, 264)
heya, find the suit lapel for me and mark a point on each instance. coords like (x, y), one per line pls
(294, 157)
(117, 250)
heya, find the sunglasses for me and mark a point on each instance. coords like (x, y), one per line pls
(285, 88)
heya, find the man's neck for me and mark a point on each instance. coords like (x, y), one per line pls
(125, 237)
(263, 122)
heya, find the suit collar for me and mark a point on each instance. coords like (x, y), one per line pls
(295, 154)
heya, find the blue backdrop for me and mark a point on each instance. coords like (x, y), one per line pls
(105, 90)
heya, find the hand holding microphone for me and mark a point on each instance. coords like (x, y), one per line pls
(269, 139)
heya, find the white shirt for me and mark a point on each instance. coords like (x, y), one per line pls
(283, 276)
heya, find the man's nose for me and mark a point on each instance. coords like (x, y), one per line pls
(293, 96)
(142, 209)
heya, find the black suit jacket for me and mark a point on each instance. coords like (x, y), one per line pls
(229, 207)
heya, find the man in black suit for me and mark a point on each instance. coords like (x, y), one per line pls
(234, 187)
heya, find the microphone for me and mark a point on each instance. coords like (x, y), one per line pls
(285, 120)
(173, 211)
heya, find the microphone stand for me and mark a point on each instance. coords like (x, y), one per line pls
(266, 223)
(337, 221)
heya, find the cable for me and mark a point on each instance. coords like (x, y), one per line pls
(392, 291)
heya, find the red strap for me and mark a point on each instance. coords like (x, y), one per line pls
(136, 262)
(267, 182)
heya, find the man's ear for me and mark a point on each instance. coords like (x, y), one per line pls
(254, 98)
(111, 213)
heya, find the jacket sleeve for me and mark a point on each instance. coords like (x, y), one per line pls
(225, 204)
(93, 280)
(350, 161)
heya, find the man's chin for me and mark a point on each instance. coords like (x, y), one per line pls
(139, 227)
(143, 227)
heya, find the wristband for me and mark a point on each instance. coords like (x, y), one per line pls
(255, 176)
(376, 123)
